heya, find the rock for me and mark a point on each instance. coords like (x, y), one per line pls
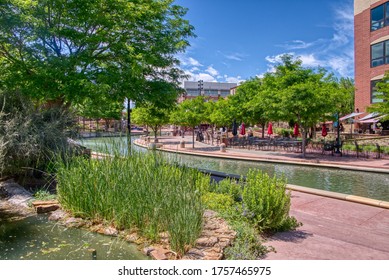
(148, 250)
(214, 238)
(111, 231)
(46, 208)
(15, 193)
(44, 202)
(207, 242)
(194, 254)
(159, 254)
(74, 222)
(57, 215)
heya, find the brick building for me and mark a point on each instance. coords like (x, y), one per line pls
(371, 33)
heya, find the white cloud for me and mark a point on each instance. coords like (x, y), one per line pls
(212, 71)
(335, 53)
(309, 60)
(188, 61)
(297, 44)
(199, 76)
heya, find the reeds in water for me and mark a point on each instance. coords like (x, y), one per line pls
(140, 191)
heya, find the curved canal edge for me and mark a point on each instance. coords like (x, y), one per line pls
(340, 196)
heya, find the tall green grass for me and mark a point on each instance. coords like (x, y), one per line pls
(140, 192)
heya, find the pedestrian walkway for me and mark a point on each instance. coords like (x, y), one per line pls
(332, 228)
(173, 144)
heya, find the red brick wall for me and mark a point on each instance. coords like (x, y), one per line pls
(363, 72)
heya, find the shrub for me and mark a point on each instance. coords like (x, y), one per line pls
(30, 134)
(267, 202)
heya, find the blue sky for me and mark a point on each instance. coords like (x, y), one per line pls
(239, 39)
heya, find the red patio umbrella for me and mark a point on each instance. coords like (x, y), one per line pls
(296, 130)
(242, 129)
(324, 130)
(270, 129)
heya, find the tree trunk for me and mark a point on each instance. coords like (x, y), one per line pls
(263, 130)
(193, 137)
(155, 129)
(304, 135)
(212, 133)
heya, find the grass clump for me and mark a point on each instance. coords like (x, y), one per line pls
(139, 191)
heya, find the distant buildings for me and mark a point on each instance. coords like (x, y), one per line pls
(371, 28)
(209, 89)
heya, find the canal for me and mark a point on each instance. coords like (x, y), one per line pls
(365, 184)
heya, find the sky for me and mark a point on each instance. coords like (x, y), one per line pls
(239, 39)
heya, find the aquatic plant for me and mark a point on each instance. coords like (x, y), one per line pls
(140, 192)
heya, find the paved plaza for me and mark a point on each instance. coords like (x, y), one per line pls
(332, 228)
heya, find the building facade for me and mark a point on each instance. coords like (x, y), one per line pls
(371, 35)
(213, 90)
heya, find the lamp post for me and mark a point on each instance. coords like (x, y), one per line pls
(337, 151)
(129, 126)
(200, 86)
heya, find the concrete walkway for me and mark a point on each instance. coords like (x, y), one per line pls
(332, 228)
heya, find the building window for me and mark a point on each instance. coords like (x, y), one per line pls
(374, 93)
(224, 93)
(212, 92)
(192, 92)
(380, 54)
(379, 16)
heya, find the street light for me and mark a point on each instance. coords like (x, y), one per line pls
(200, 86)
(337, 146)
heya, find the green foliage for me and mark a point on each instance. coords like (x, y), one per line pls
(253, 101)
(139, 192)
(301, 94)
(30, 135)
(247, 244)
(267, 203)
(151, 116)
(68, 51)
(43, 194)
(284, 132)
(191, 112)
(383, 94)
(218, 202)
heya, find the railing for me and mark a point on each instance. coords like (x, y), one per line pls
(352, 149)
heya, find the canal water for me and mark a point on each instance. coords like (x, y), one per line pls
(365, 184)
(36, 238)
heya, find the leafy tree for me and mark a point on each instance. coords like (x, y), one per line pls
(347, 95)
(102, 108)
(383, 93)
(67, 51)
(257, 104)
(301, 94)
(219, 114)
(191, 112)
(152, 116)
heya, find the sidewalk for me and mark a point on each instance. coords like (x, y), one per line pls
(173, 144)
(332, 228)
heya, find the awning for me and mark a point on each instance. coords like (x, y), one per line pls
(369, 121)
(350, 116)
(369, 116)
(372, 120)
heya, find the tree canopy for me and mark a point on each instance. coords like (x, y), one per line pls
(382, 89)
(302, 95)
(190, 113)
(71, 50)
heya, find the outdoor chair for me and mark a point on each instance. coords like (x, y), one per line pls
(234, 141)
(328, 147)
